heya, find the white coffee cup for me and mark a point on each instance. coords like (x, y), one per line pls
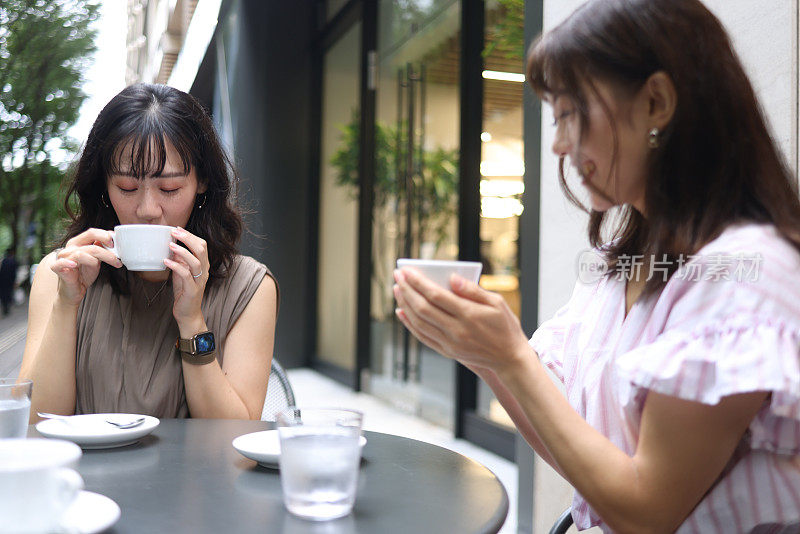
(142, 247)
(440, 271)
(37, 483)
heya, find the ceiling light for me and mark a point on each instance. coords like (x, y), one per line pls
(500, 208)
(502, 168)
(503, 76)
(502, 188)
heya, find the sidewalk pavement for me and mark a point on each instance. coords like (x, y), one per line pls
(12, 339)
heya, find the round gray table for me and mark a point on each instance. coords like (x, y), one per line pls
(187, 477)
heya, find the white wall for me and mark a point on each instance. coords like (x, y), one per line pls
(765, 36)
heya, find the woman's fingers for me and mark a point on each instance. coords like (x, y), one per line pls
(90, 236)
(414, 302)
(187, 258)
(470, 290)
(436, 295)
(94, 251)
(419, 334)
(180, 270)
(196, 245)
(65, 267)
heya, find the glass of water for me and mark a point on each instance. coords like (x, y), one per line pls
(15, 407)
(320, 457)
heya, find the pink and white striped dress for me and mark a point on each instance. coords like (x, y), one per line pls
(716, 329)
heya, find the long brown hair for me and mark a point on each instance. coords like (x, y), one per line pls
(716, 163)
(145, 116)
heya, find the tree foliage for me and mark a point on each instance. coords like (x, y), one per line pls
(431, 186)
(45, 47)
(506, 32)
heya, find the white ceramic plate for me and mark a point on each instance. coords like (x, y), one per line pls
(265, 447)
(91, 431)
(90, 513)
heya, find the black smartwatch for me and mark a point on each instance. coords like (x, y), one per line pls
(199, 349)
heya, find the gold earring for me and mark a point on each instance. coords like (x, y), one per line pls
(652, 138)
(103, 200)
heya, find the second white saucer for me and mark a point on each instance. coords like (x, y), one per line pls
(265, 447)
(90, 513)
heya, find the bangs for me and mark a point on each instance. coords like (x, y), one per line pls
(141, 151)
(553, 67)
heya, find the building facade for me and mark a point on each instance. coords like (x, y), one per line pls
(368, 130)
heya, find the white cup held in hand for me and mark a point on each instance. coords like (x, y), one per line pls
(440, 271)
(142, 247)
(37, 483)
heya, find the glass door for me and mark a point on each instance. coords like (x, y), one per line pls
(415, 211)
(338, 207)
(502, 166)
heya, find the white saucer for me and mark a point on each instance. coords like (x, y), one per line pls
(91, 431)
(265, 447)
(90, 513)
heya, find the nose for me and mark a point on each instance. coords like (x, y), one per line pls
(149, 208)
(561, 143)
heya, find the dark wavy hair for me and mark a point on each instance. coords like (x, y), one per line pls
(144, 117)
(716, 163)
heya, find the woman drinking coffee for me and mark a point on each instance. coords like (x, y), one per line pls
(191, 340)
(681, 363)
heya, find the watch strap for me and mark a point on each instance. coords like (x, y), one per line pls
(186, 345)
(199, 359)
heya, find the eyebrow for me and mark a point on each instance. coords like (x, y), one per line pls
(172, 174)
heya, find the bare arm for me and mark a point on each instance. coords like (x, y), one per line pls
(58, 288)
(683, 446)
(516, 414)
(237, 389)
(49, 357)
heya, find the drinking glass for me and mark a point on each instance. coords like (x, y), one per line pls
(15, 407)
(320, 457)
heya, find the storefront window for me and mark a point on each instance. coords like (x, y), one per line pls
(416, 189)
(502, 164)
(338, 253)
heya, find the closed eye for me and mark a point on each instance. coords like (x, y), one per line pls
(170, 191)
(127, 190)
(561, 116)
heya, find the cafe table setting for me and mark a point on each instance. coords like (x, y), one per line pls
(314, 470)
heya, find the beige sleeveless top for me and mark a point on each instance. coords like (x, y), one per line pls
(126, 359)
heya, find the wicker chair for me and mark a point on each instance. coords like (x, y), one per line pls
(279, 392)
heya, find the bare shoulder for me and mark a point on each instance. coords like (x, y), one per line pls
(45, 281)
(266, 296)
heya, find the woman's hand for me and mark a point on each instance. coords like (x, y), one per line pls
(78, 263)
(189, 277)
(469, 324)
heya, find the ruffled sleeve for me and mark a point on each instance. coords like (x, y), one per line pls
(722, 337)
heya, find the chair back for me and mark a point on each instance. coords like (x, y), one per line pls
(561, 526)
(279, 392)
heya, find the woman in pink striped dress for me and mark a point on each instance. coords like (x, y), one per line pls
(681, 362)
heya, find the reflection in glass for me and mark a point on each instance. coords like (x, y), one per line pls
(502, 164)
(337, 269)
(416, 191)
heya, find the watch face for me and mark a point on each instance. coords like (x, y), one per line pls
(205, 342)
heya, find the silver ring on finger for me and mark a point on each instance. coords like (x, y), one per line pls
(198, 275)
